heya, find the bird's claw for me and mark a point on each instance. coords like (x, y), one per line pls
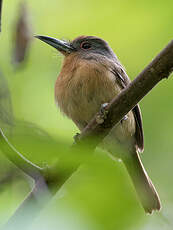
(102, 114)
(124, 118)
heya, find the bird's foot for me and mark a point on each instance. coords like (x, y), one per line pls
(102, 114)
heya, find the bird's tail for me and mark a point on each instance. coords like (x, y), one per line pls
(143, 184)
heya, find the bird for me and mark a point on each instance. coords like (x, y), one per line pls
(91, 76)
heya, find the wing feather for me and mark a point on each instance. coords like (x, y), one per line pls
(124, 80)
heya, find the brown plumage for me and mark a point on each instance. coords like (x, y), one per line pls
(90, 76)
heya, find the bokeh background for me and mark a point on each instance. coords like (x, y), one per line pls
(100, 194)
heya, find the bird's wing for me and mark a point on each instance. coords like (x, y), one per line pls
(123, 81)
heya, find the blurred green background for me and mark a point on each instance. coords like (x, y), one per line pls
(100, 194)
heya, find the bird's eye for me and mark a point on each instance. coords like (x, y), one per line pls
(85, 45)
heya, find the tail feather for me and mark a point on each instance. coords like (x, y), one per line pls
(143, 184)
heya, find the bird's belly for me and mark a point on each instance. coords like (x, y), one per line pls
(86, 101)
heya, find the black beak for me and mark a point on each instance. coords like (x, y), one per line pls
(62, 46)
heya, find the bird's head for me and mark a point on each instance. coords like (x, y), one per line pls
(84, 46)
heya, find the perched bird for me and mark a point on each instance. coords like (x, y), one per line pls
(92, 75)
